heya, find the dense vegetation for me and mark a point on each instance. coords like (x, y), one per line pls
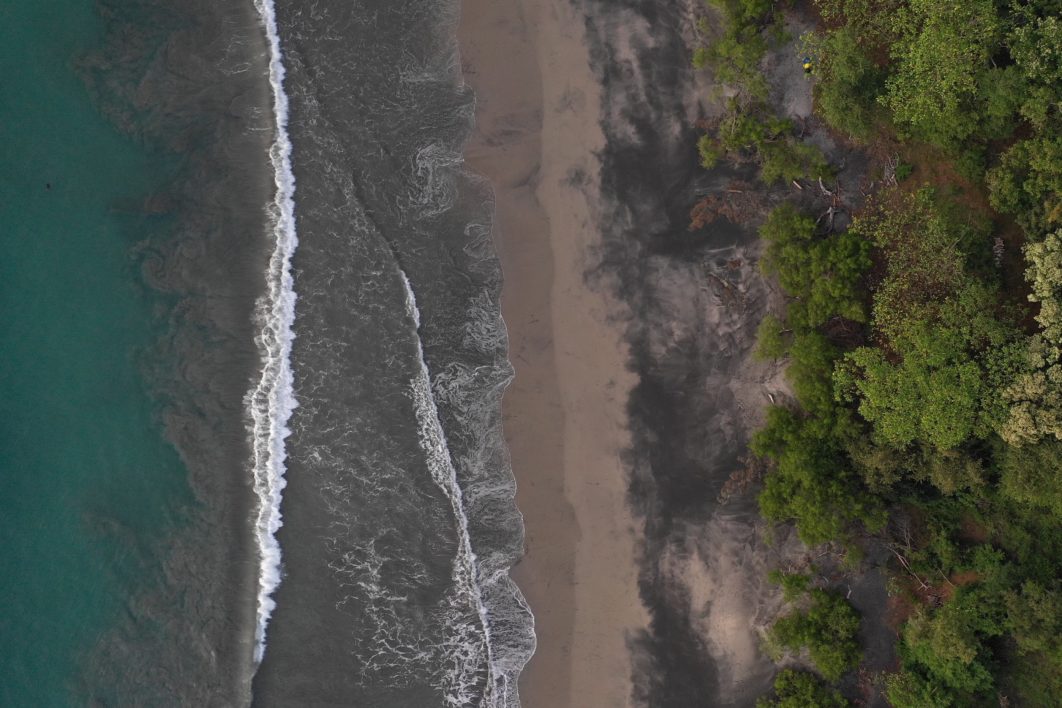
(926, 371)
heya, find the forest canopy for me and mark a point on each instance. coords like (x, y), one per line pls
(922, 341)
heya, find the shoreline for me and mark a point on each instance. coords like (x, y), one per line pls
(535, 139)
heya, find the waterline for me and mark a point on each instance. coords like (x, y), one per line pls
(271, 402)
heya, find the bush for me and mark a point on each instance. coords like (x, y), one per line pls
(772, 338)
(709, 150)
(827, 628)
(1028, 184)
(736, 55)
(810, 484)
(793, 585)
(797, 689)
(1032, 474)
(849, 84)
(824, 274)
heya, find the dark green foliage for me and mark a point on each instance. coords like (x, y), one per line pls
(772, 338)
(749, 131)
(946, 350)
(954, 654)
(826, 628)
(1028, 184)
(793, 584)
(787, 159)
(797, 689)
(735, 56)
(710, 151)
(812, 359)
(849, 84)
(823, 274)
(1032, 474)
(951, 388)
(810, 484)
(950, 471)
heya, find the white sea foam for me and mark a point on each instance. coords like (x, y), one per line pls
(467, 658)
(272, 400)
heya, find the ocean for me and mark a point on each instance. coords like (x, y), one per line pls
(252, 362)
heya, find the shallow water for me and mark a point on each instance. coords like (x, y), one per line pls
(399, 524)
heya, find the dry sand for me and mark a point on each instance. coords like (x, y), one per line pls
(565, 413)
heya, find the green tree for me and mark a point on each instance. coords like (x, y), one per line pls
(1034, 617)
(822, 274)
(1035, 44)
(771, 338)
(945, 349)
(949, 644)
(928, 252)
(798, 689)
(827, 628)
(1027, 183)
(910, 689)
(932, 394)
(810, 483)
(1035, 395)
(872, 21)
(846, 94)
(1032, 474)
(943, 49)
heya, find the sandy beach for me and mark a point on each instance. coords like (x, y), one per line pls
(565, 420)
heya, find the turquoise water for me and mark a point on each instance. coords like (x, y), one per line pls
(88, 484)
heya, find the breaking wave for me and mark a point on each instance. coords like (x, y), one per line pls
(272, 400)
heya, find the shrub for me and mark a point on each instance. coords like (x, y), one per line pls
(1028, 184)
(823, 274)
(1032, 474)
(771, 338)
(827, 628)
(797, 689)
(849, 84)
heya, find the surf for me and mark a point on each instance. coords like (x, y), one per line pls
(272, 400)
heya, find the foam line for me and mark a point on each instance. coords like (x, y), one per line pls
(272, 400)
(440, 464)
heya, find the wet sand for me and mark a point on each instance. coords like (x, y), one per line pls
(537, 130)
